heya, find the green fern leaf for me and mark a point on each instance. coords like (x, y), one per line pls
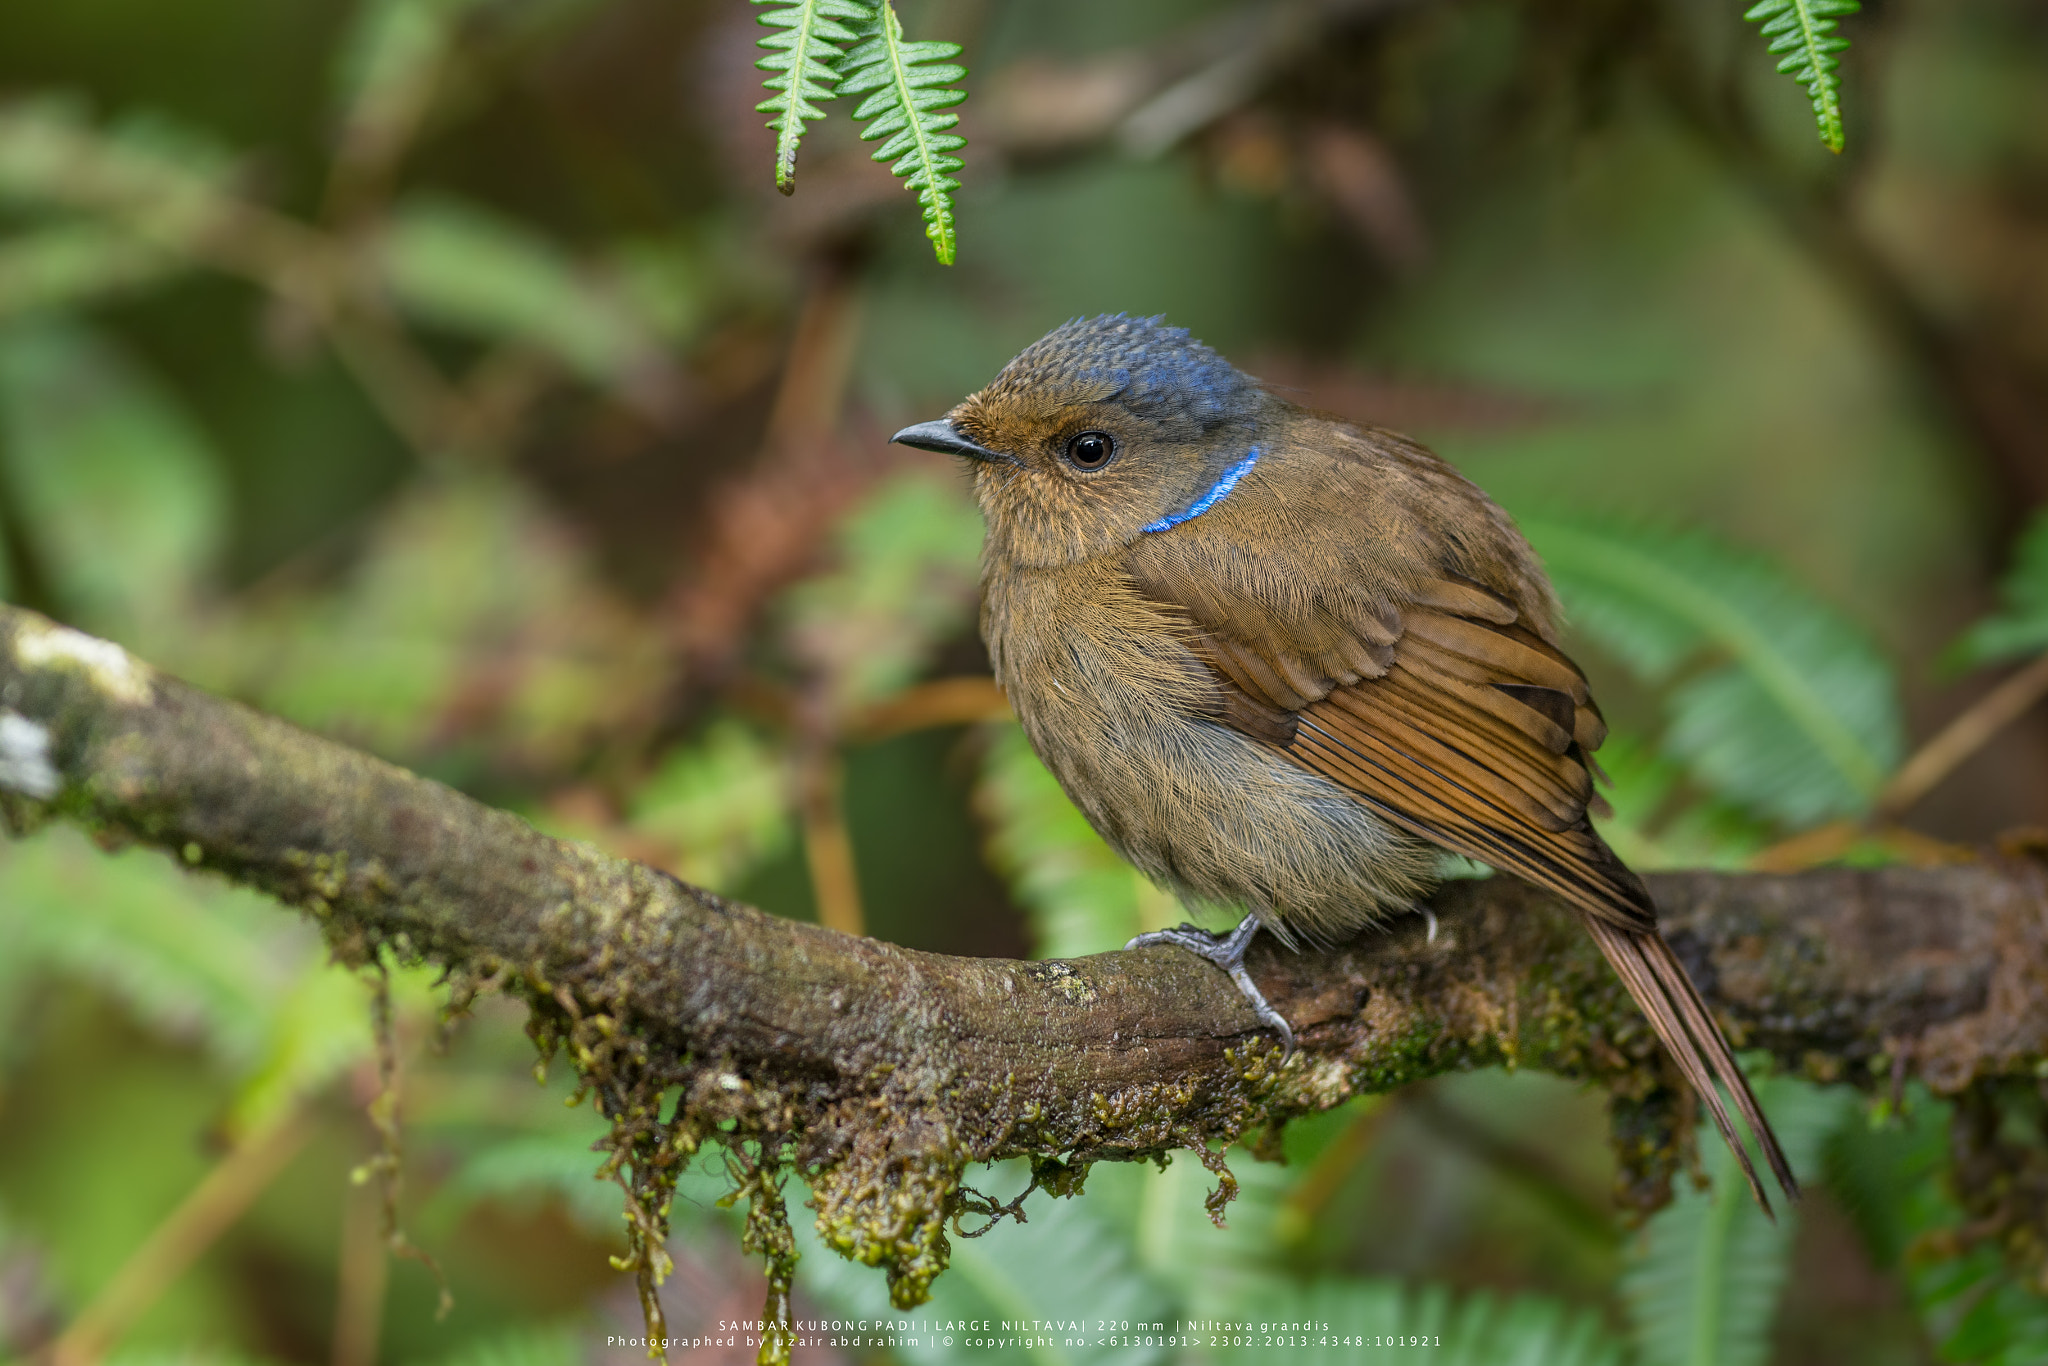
(1805, 29)
(1651, 829)
(908, 559)
(907, 84)
(1236, 1268)
(1802, 721)
(805, 55)
(186, 954)
(1889, 1177)
(1709, 1268)
(123, 494)
(722, 804)
(319, 1028)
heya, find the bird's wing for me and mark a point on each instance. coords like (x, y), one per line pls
(1455, 720)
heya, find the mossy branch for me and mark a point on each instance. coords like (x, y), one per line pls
(881, 1072)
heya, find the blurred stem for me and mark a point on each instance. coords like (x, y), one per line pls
(27, 585)
(496, 396)
(1837, 840)
(1961, 738)
(360, 1285)
(814, 378)
(801, 482)
(388, 1166)
(204, 1215)
(806, 412)
(375, 137)
(321, 276)
(941, 702)
(828, 847)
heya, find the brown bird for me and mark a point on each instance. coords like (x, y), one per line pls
(1279, 661)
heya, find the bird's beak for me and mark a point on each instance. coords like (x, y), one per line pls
(941, 436)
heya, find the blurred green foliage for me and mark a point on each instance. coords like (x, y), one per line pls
(2020, 625)
(428, 372)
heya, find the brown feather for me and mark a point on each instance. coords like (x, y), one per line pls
(1552, 705)
(1658, 982)
(1489, 699)
(1478, 737)
(1503, 786)
(1555, 779)
(1462, 597)
(1497, 650)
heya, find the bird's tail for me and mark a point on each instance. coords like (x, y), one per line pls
(1654, 976)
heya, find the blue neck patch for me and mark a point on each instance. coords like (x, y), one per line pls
(1218, 491)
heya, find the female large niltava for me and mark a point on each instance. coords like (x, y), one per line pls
(1278, 660)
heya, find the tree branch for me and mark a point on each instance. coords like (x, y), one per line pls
(882, 1071)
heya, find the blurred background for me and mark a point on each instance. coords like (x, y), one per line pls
(447, 376)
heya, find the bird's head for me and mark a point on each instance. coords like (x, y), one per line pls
(1099, 429)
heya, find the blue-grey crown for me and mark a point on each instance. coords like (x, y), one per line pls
(1163, 373)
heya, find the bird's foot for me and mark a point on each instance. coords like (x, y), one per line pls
(1227, 951)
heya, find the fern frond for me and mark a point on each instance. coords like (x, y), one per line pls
(1806, 30)
(1800, 724)
(805, 56)
(910, 84)
(722, 804)
(1708, 1270)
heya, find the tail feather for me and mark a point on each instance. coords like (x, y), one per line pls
(1654, 976)
(1715, 1044)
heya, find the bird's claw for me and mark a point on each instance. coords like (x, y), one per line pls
(1187, 934)
(1227, 951)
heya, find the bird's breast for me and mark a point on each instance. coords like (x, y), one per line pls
(1099, 676)
(1117, 706)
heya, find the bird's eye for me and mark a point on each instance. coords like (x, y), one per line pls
(1091, 450)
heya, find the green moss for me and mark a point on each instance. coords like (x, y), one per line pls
(1397, 1061)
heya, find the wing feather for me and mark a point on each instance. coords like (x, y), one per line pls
(1474, 731)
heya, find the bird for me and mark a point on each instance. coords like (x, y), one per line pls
(1281, 661)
